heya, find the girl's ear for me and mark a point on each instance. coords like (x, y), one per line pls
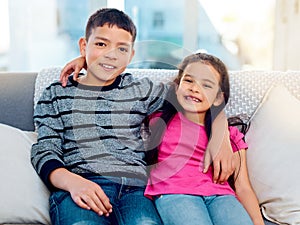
(82, 46)
(219, 99)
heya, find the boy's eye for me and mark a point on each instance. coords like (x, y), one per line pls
(123, 49)
(100, 44)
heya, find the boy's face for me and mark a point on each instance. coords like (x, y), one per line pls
(198, 90)
(108, 51)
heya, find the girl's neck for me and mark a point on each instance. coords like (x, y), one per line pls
(197, 118)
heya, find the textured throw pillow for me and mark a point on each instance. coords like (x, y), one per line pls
(273, 156)
(23, 196)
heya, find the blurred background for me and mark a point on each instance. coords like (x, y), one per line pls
(261, 35)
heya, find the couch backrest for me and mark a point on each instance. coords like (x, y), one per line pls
(16, 99)
(19, 91)
(248, 87)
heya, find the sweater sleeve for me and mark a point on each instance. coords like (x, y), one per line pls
(236, 138)
(158, 95)
(46, 154)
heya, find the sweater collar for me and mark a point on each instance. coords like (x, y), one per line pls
(114, 85)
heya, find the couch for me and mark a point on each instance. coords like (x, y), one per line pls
(268, 100)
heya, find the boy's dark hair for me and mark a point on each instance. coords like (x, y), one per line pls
(110, 17)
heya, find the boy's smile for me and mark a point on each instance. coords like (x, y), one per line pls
(108, 51)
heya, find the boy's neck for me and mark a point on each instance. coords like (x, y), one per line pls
(85, 80)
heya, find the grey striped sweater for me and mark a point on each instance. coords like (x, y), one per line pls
(94, 130)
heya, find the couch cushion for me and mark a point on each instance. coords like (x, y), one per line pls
(16, 102)
(273, 155)
(24, 198)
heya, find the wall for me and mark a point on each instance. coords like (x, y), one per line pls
(287, 35)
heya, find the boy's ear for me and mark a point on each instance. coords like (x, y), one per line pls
(82, 46)
(219, 99)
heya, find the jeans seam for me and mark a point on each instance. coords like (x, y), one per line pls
(121, 187)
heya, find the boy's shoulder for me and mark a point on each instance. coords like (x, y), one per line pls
(54, 88)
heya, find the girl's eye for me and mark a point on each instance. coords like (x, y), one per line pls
(188, 80)
(207, 86)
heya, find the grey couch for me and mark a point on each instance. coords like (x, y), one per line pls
(18, 93)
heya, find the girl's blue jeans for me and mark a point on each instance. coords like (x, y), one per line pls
(178, 209)
(126, 195)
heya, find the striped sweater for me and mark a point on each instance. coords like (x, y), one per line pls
(93, 130)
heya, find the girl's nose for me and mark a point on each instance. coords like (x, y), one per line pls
(195, 87)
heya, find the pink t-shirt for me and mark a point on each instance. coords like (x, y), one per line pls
(180, 160)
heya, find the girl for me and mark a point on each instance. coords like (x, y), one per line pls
(182, 193)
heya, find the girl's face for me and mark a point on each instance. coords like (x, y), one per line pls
(198, 90)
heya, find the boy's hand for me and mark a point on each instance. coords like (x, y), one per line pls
(222, 158)
(75, 66)
(85, 193)
(90, 196)
(219, 150)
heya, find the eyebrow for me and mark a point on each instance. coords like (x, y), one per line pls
(206, 80)
(107, 40)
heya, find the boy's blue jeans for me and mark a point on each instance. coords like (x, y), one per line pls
(178, 209)
(126, 195)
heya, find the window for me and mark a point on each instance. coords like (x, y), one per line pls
(158, 20)
(266, 39)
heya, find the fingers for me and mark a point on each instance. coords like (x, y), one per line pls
(216, 170)
(104, 203)
(207, 161)
(99, 205)
(66, 72)
(79, 201)
(222, 175)
(95, 204)
(95, 200)
(223, 170)
(76, 73)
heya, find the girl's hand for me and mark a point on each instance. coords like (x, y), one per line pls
(75, 66)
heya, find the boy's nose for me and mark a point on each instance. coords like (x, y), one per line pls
(111, 53)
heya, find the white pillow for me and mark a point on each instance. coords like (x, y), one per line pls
(23, 196)
(274, 154)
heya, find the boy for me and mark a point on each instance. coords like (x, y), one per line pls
(90, 152)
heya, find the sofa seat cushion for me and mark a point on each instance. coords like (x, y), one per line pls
(24, 198)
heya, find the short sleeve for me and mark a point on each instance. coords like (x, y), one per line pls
(236, 139)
